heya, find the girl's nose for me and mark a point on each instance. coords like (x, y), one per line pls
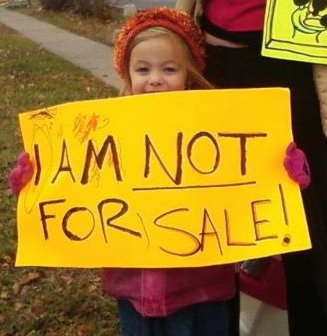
(155, 79)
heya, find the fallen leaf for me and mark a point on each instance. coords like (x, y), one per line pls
(32, 276)
(67, 278)
(38, 307)
(92, 288)
(18, 306)
(83, 330)
(4, 295)
(16, 288)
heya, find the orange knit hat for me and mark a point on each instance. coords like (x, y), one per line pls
(180, 23)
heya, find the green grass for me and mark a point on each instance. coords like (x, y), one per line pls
(42, 301)
(90, 27)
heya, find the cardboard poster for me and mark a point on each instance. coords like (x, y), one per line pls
(178, 179)
(296, 30)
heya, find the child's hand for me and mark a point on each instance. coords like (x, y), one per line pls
(297, 165)
(21, 174)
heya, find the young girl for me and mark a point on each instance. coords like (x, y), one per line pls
(162, 50)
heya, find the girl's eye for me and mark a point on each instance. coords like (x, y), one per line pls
(170, 69)
(142, 69)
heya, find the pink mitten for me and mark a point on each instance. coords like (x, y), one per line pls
(21, 173)
(297, 165)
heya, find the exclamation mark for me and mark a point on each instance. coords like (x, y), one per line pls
(287, 238)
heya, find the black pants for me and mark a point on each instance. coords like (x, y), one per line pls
(306, 271)
(201, 319)
(233, 309)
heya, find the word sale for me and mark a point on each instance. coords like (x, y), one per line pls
(114, 215)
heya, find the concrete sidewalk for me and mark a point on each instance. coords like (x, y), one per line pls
(92, 56)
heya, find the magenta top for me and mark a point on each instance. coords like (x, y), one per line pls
(236, 15)
(238, 21)
(161, 292)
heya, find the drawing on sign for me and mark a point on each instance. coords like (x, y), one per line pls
(296, 30)
(310, 17)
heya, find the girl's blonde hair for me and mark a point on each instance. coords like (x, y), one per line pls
(195, 80)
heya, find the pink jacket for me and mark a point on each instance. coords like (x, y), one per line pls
(236, 15)
(160, 292)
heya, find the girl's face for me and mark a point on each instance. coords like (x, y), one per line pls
(156, 65)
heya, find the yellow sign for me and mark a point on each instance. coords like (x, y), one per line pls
(178, 179)
(296, 30)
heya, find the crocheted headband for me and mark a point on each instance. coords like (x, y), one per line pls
(178, 22)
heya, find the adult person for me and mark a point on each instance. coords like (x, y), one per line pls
(233, 33)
